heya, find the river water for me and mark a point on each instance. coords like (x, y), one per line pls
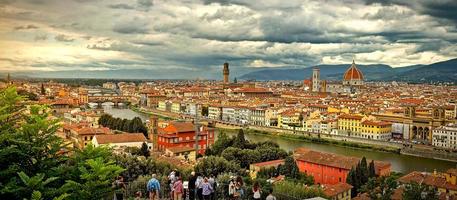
(400, 163)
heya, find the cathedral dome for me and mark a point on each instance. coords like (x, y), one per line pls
(353, 73)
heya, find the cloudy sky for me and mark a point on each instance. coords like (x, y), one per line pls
(194, 37)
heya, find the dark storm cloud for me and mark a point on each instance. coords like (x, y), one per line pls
(30, 26)
(445, 9)
(144, 5)
(121, 6)
(63, 38)
(225, 2)
(134, 25)
(41, 37)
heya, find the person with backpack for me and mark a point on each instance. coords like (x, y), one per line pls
(153, 188)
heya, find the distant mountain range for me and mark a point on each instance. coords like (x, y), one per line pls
(445, 71)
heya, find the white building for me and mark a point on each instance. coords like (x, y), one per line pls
(228, 114)
(242, 115)
(118, 141)
(215, 112)
(445, 136)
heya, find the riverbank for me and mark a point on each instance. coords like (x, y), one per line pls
(326, 141)
(160, 115)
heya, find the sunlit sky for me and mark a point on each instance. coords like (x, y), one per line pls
(198, 36)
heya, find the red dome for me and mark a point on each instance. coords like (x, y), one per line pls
(353, 73)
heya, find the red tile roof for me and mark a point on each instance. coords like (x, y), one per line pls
(269, 163)
(334, 190)
(328, 159)
(427, 179)
(120, 138)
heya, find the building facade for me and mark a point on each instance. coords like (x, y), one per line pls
(445, 137)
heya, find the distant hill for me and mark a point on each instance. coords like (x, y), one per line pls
(328, 72)
(445, 71)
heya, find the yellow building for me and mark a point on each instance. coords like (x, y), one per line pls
(377, 130)
(363, 127)
(451, 176)
(337, 110)
(289, 119)
(350, 123)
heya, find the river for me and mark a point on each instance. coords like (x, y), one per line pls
(400, 163)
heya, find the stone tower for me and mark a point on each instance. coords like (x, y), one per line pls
(315, 80)
(226, 73)
(153, 132)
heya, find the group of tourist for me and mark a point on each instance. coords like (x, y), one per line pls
(198, 187)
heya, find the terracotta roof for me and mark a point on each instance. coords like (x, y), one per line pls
(120, 138)
(328, 159)
(93, 131)
(427, 179)
(347, 116)
(334, 190)
(333, 160)
(375, 123)
(180, 149)
(180, 127)
(269, 163)
(452, 171)
(353, 73)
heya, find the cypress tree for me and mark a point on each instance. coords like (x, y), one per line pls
(371, 169)
(43, 91)
(364, 170)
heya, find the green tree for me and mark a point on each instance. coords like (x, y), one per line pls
(96, 177)
(43, 91)
(298, 191)
(145, 150)
(222, 142)
(216, 165)
(205, 111)
(415, 191)
(371, 169)
(27, 144)
(34, 185)
(239, 141)
(290, 168)
(364, 170)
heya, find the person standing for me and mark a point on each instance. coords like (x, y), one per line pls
(207, 189)
(198, 186)
(239, 192)
(192, 180)
(212, 182)
(256, 191)
(270, 195)
(177, 189)
(119, 187)
(153, 188)
(171, 181)
(231, 189)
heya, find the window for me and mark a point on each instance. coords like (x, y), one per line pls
(339, 179)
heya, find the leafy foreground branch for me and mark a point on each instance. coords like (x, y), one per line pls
(36, 164)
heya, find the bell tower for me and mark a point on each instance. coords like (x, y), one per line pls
(226, 73)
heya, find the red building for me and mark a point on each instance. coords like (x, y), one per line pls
(182, 134)
(329, 168)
